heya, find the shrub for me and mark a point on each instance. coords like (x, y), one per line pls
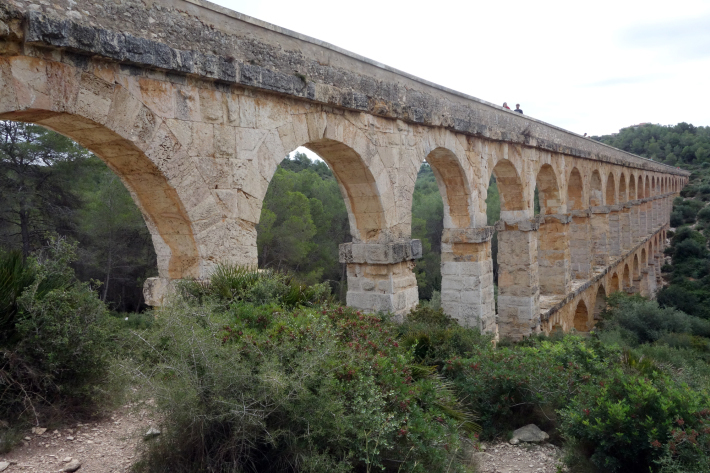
(263, 387)
(623, 419)
(59, 354)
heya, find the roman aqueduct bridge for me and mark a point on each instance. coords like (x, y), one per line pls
(194, 106)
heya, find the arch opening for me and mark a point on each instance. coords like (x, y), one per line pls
(599, 302)
(575, 191)
(595, 189)
(614, 286)
(626, 278)
(622, 189)
(632, 188)
(581, 317)
(610, 190)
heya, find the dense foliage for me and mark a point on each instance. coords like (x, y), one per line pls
(673, 144)
(54, 344)
(49, 185)
(248, 378)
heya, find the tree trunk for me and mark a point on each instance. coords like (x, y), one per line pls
(25, 231)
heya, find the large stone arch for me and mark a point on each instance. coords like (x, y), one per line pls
(614, 284)
(610, 190)
(454, 186)
(595, 189)
(575, 191)
(626, 278)
(510, 187)
(581, 317)
(599, 301)
(632, 187)
(135, 142)
(549, 191)
(639, 188)
(623, 197)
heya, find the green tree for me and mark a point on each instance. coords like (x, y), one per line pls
(36, 183)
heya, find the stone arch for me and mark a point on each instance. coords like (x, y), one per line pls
(622, 189)
(454, 187)
(644, 260)
(614, 285)
(639, 188)
(510, 188)
(581, 317)
(548, 191)
(653, 186)
(636, 274)
(575, 191)
(626, 278)
(610, 190)
(647, 189)
(135, 142)
(632, 187)
(600, 301)
(359, 187)
(595, 189)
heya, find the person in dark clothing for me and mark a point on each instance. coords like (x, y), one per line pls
(518, 109)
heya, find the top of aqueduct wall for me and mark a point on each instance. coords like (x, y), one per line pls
(201, 39)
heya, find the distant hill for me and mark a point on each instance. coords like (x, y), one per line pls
(676, 145)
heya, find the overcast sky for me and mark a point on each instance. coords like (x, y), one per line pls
(589, 67)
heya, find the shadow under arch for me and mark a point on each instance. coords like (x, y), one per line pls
(626, 278)
(575, 191)
(358, 186)
(162, 208)
(622, 189)
(632, 187)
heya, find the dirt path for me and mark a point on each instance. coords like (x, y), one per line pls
(521, 458)
(107, 446)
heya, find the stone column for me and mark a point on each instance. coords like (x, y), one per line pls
(600, 235)
(554, 255)
(626, 230)
(518, 280)
(380, 276)
(580, 244)
(644, 284)
(467, 290)
(615, 247)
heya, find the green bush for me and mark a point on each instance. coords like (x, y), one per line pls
(246, 386)
(59, 353)
(623, 420)
(644, 321)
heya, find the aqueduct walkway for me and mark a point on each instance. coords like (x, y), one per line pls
(194, 106)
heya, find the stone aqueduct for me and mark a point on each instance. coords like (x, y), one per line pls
(194, 106)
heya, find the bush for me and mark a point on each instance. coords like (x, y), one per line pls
(59, 352)
(623, 420)
(644, 321)
(247, 386)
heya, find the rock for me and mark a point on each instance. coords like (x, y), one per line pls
(529, 433)
(38, 430)
(4, 466)
(514, 441)
(67, 459)
(72, 466)
(152, 433)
